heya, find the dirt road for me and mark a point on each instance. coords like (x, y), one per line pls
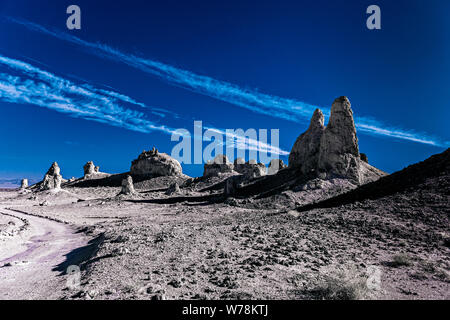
(32, 262)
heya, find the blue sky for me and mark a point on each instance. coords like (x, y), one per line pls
(137, 70)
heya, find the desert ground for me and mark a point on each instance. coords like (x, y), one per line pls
(151, 245)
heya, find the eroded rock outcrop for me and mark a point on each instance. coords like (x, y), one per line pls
(218, 166)
(52, 179)
(24, 184)
(127, 186)
(275, 165)
(89, 168)
(305, 152)
(154, 164)
(339, 152)
(250, 169)
(332, 151)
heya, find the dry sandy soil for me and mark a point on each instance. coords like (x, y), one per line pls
(393, 244)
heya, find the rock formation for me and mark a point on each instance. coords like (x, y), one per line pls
(154, 164)
(89, 168)
(275, 165)
(250, 169)
(332, 150)
(339, 152)
(305, 152)
(173, 189)
(127, 186)
(24, 184)
(52, 179)
(219, 165)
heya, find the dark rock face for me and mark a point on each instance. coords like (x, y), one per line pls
(332, 150)
(363, 157)
(154, 164)
(305, 152)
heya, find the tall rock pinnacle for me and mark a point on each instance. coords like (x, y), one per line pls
(332, 149)
(305, 152)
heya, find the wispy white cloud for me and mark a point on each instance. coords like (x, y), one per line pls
(270, 105)
(42, 88)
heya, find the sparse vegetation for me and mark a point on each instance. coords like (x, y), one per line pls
(341, 286)
(401, 260)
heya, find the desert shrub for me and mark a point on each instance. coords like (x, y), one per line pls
(341, 286)
(401, 260)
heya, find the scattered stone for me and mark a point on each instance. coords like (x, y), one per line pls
(45, 203)
(154, 164)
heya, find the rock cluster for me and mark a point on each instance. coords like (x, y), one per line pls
(333, 149)
(52, 179)
(127, 186)
(218, 166)
(250, 169)
(154, 164)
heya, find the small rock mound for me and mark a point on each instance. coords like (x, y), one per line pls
(154, 164)
(218, 166)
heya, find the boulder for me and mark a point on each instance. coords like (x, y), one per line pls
(305, 152)
(275, 165)
(218, 166)
(154, 164)
(52, 179)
